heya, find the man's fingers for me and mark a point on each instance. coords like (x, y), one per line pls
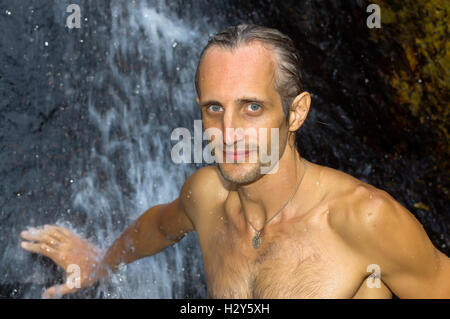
(48, 235)
(40, 237)
(39, 248)
(56, 291)
(61, 232)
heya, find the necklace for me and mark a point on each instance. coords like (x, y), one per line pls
(256, 241)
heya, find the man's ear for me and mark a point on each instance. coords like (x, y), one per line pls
(299, 110)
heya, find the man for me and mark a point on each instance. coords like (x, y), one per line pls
(300, 231)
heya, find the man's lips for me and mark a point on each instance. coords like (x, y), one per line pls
(234, 155)
(236, 152)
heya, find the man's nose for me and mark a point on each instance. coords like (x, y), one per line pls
(233, 132)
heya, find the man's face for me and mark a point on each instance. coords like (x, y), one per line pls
(237, 93)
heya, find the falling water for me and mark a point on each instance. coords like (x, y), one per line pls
(126, 83)
(149, 91)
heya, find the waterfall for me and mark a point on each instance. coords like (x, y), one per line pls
(126, 80)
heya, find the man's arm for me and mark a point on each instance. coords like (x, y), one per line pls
(385, 233)
(164, 225)
(156, 229)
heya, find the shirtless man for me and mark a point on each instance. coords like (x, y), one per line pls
(320, 240)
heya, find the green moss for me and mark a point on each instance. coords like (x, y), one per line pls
(422, 83)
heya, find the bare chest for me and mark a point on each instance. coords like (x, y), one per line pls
(302, 261)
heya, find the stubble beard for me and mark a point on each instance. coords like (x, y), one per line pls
(247, 177)
(253, 173)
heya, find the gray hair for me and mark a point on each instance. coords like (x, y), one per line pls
(288, 80)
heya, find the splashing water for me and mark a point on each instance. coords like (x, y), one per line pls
(151, 93)
(128, 80)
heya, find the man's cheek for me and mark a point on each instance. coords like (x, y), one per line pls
(269, 148)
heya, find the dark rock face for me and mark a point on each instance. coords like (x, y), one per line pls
(361, 120)
(86, 116)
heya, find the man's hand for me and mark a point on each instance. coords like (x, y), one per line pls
(157, 228)
(64, 248)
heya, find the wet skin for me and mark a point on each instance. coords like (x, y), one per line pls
(319, 246)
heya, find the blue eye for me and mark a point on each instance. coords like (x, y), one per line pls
(253, 107)
(214, 108)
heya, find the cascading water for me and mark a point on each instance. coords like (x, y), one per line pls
(127, 83)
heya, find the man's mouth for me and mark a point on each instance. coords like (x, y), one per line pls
(235, 155)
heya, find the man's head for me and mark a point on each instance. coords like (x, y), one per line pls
(249, 77)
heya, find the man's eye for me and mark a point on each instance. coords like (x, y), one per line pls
(253, 107)
(214, 108)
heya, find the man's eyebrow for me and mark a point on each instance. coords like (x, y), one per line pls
(210, 102)
(242, 100)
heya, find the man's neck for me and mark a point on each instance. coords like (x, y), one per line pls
(262, 199)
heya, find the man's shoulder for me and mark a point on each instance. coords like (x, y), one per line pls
(381, 231)
(204, 187)
(361, 212)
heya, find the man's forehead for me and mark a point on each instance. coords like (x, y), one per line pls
(246, 67)
(250, 52)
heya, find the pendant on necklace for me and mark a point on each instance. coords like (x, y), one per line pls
(256, 241)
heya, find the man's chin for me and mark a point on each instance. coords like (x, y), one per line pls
(240, 173)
